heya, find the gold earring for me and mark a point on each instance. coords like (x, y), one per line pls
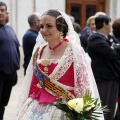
(66, 33)
(61, 35)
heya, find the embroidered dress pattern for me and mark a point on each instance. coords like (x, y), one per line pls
(45, 81)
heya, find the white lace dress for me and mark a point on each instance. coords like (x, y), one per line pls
(32, 110)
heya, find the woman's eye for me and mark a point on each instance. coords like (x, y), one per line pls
(41, 26)
(49, 26)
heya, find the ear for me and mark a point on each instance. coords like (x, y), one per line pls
(104, 24)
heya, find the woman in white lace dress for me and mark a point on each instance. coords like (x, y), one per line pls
(58, 64)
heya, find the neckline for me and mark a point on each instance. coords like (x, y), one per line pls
(43, 46)
(52, 50)
(60, 60)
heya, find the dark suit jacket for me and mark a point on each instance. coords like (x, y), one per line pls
(103, 57)
(83, 40)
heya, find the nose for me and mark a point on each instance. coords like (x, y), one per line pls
(94, 26)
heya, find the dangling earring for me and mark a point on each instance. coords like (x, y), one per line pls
(66, 33)
(61, 35)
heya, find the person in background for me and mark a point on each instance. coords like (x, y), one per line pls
(72, 18)
(29, 38)
(116, 33)
(83, 43)
(104, 57)
(91, 28)
(56, 63)
(116, 29)
(84, 31)
(9, 59)
(91, 25)
(77, 28)
(7, 17)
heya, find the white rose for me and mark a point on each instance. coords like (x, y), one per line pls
(76, 104)
(79, 107)
(71, 104)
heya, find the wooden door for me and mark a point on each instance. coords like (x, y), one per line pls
(82, 9)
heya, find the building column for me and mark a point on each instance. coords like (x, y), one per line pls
(24, 9)
(112, 9)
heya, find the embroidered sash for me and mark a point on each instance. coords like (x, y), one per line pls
(45, 81)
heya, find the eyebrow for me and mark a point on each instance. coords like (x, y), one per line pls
(3, 9)
(48, 23)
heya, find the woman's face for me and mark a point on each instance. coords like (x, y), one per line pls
(92, 25)
(48, 28)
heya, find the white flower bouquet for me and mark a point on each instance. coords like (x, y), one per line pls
(86, 108)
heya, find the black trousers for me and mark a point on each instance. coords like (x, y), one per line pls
(108, 91)
(6, 84)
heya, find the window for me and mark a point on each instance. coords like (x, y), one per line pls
(82, 9)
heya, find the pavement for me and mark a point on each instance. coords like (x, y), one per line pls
(10, 110)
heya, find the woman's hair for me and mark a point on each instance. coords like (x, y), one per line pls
(116, 28)
(89, 19)
(100, 20)
(77, 27)
(60, 21)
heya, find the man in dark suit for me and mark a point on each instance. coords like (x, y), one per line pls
(29, 38)
(103, 57)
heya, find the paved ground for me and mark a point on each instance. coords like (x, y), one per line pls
(11, 108)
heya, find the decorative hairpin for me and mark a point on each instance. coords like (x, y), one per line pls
(59, 16)
(59, 23)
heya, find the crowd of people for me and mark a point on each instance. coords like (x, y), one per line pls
(55, 59)
(103, 46)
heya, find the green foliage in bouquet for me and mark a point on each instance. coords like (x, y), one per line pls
(86, 108)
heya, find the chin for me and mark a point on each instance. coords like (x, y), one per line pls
(46, 39)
